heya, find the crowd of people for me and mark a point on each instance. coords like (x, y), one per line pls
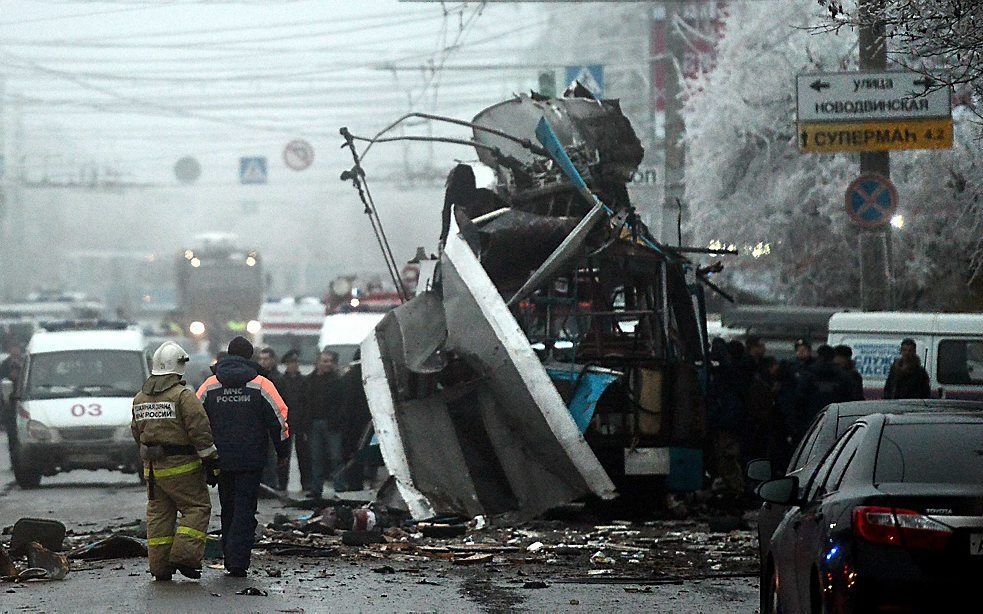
(759, 407)
(328, 419)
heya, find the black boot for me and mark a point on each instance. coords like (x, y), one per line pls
(236, 572)
(189, 572)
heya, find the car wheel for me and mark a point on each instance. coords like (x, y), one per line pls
(26, 474)
(770, 601)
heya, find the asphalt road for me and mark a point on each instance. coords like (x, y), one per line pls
(87, 501)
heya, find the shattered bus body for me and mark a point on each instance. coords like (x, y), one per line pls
(554, 349)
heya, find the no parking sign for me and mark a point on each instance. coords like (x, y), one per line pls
(871, 200)
(298, 154)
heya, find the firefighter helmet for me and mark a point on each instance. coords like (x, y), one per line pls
(169, 358)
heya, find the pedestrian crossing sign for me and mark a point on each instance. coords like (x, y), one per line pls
(590, 76)
(252, 170)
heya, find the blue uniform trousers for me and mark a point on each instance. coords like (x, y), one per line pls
(237, 493)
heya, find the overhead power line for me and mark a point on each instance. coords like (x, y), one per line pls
(157, 5)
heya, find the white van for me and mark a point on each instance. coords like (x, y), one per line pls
(950, 346)
(344, 332)
(74, 399)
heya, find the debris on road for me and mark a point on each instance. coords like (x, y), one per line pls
(56, 565)
(252, 590)
(115, 546)
(614, 552)
(42, 564)
(474, 559)
(48, 533)
(441, 529)
(7, 568)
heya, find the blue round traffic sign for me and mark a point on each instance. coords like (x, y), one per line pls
(871, 200)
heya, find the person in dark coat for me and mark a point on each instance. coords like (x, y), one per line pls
(275, 474)
(907, 379)
(803, 354)
(358, 418)
(785, 393)
(760, 403)
(293, 394)
(756, 352)
(10, 369)
(324, 394)
(830, 383)
(818, 382)
(726, 421)
(245, 411)
(844, 360)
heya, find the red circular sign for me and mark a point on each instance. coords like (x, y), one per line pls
(298, 154)
(871, 200)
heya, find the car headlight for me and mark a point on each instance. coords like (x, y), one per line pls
(38, 431)
(253, 327)
(197, 328)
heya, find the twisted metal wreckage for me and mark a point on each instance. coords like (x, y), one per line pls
(554, 349)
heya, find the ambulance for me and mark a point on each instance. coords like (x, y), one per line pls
(74, 398)
(291, 324)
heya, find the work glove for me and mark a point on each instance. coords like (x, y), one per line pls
(210, 465)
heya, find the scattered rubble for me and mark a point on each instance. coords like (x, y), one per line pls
(617, 552)
(577, 549)
(116, 546)
(48, 533)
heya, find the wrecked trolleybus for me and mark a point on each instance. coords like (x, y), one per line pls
(554, 349)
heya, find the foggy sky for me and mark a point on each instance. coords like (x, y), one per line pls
(124, 89)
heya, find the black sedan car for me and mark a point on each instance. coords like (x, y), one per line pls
(892, 520)
(826, 428)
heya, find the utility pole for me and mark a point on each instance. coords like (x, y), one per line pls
(5, 253)
(876, 280)
(675, 128)
(15, 223)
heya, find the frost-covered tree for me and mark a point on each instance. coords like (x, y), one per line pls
(943, 38)
(748, 185)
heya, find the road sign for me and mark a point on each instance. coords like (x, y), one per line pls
(590, 76)
(871, 200)
(872, 111)
(187, 170)
(298, 154)
(860, 96)
(252, 170)
(875, 136)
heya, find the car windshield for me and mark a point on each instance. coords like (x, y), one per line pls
(940, 453)
(85, 373)
(304, 345)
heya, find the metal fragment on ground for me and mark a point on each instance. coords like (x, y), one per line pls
(113, 547)
(7, 567)
(54, 563)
